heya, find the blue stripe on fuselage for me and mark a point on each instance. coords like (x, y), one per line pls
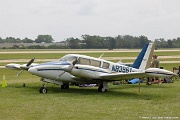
(47, 69)
(55, 63)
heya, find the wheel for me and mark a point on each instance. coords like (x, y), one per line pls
(65, 86)
(101, 89)
(43, 90)
(104, 90)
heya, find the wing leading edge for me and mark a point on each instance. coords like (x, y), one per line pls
(122, 76)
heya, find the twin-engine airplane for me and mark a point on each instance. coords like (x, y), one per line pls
(75, 68)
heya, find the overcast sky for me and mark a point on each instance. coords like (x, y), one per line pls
(72, 18)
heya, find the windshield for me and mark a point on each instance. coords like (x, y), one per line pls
(69, 58)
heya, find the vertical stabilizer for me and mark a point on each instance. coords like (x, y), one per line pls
(144, 58)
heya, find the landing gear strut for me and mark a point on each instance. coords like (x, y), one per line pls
(103, 87)
(65, 86)
(43, 89)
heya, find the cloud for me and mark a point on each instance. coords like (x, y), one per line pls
(73, 18)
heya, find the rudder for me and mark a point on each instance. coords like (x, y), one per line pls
(143, 61)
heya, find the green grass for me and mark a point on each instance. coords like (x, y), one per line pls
(169, 66)
(97, 54)
(32, 55)
(121, 101)
(167, 53)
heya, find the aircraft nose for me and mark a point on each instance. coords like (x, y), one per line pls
(32, 70)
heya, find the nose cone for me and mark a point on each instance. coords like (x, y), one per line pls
(33, 70)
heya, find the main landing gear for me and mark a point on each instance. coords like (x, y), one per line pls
(65, 86)
(103, 87)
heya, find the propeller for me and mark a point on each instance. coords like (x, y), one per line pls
(25, 67)
(68, 68)
(30, 62)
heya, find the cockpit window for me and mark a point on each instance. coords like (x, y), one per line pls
(84, 61)
(105, 65)
(68, 58)
(95, 63)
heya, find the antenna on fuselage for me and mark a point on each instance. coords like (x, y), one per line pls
(101, 56)
(119, 62)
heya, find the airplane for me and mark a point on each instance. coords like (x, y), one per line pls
(83, 69)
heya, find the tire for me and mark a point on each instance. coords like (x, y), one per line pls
(65, 86)
(100, 88)
(43, 90)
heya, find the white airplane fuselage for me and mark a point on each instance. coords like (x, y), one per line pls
(88, 73)
(54, 71)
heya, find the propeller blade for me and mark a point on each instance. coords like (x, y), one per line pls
(19, 73)
(30, 62)
(74, 62)
(68, 68)
(26, 66)
(60, 75)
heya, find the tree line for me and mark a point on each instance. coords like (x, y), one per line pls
(95, 42)
(98, 42)
(39, 39)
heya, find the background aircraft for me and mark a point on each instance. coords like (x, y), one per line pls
(82, 69)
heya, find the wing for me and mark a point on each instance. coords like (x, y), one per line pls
(122, 76)
(14, 66)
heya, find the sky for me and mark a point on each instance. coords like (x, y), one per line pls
(73, 18)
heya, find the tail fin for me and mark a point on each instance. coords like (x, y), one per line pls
(143, 61)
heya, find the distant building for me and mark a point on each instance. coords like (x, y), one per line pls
(8, 45)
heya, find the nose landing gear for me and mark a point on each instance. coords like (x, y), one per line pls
(43, 90)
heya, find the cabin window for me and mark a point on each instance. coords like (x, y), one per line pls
(84, 61)
(95, 63)
(68, 58)
(105, 65)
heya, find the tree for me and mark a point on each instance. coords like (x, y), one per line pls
(44, 38)
(170, 44)
(111, 41)
(10, 40)
(73, 43)
(143, 40)
(1, 40)
(27, 40)
(119, 41)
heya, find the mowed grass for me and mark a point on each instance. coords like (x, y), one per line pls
(120, 102)
(96, 54)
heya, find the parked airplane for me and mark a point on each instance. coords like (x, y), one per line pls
(75, 68)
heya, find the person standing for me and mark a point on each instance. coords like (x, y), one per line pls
(154, 64)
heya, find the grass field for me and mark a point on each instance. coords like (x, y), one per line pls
(58, 55)
(120, 102)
